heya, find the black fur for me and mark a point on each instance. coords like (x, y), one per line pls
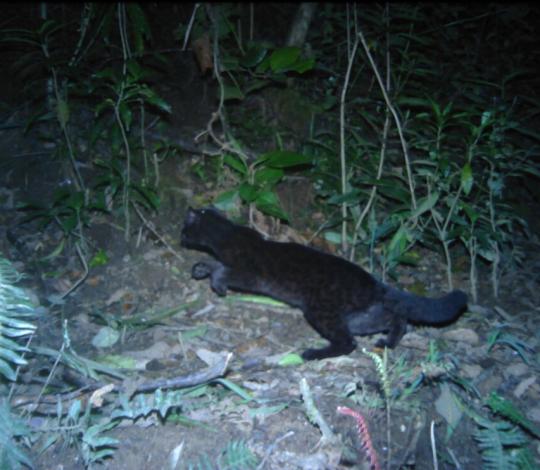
(338, 298)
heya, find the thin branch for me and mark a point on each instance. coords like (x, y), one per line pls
(190, 25)
(342, 146)
(150, 226)
(394, 114)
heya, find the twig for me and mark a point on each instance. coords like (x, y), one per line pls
(272, 447)
(454, 459)
(190, 25)
(150, 226)
(394, 114)
(433, 446)
(313, 413)
(342, 145)
(206, 375)
(85, 275)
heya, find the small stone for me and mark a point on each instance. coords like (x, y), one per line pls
(471, 371)
(516, 370)
(465, 335)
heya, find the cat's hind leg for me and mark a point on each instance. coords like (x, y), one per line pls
(332, 329)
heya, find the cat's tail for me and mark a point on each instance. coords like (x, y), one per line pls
(423, 309)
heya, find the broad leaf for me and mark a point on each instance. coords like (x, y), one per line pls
(282, 59)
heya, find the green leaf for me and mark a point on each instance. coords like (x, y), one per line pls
(232, 92)
(235, 388)
(398, 243)
(125, 114)
(248, 192)
(291, 359)
(253, 57)
(7, 371)
(105, 337)
(227, 200)
(351, 196)
(254, 85)
(155, 100)
(467, 178)
(236, 162)
(75, 201)
(304, 65)
(99, 259)
(149, 195)
(134, 69)
(284, 159)
(140, 27)
(426, 204)
(56, 252)
(470, 211)
(268, 202)
(282, 59)
(256, 299)
(194, 332)
(268, 176)
(62, 112)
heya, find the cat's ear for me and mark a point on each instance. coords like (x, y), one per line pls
(191, 215)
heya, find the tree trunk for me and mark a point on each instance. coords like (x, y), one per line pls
(300, 25)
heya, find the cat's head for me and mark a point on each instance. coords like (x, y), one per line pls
(202, 227)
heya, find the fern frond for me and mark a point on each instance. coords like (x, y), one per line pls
(237, 456)
(382, 370)
(507, 409)
(496, 440)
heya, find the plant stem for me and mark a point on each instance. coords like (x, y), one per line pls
(395, 116)
(342, 146)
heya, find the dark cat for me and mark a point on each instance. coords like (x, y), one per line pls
(339, 299)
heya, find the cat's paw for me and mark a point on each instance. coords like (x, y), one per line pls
(219, 287)
(384, 343)
(200, 271)
(313, 354)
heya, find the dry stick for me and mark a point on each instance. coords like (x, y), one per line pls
(150, 226)
(342, 146)
(196, 378)
(394, 114)
(51, 373)
(383, 147)
(84, 276)
(272, 447)
(126, 55)
(313, 413)
(442, 235)
(190, 25)
(224, 145)
(433, 447)
(373, 188)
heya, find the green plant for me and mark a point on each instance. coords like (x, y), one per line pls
(499, 336)
(235, 456)
(119, 97)
(257, 181)
(16, 311)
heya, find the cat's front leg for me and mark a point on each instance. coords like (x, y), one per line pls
(201, 270)
(217, 272)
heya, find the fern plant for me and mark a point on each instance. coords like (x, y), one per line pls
(236, 456)
(15, 310)
(501, 443)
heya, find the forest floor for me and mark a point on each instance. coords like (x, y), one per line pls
(144, 278)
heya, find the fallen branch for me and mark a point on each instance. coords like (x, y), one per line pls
(200, 377)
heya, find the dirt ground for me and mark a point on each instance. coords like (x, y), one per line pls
(145, 277)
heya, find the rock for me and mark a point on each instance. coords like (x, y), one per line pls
(464, 335)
